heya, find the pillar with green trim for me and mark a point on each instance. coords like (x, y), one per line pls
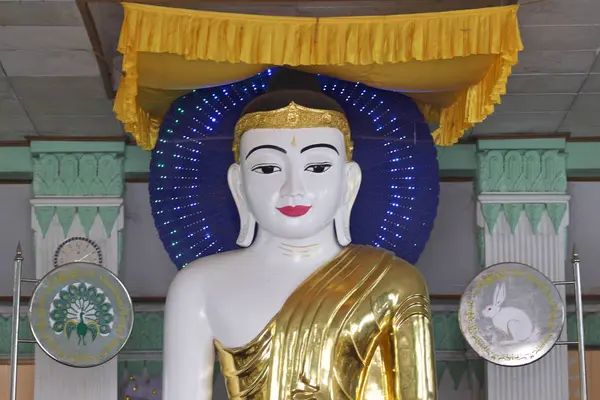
(523, 214)
(77, 193)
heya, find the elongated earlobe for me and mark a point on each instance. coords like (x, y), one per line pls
(342, 217)
(342, 227)
(247, 221)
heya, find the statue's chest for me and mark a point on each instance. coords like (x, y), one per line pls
(242, 305)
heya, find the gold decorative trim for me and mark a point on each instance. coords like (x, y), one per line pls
(293, 116)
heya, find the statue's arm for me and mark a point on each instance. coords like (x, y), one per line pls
(414, 354)
(188, 352)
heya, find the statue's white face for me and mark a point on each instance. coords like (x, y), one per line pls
(293, 180)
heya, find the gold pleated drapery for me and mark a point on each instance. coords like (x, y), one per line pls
(454, 64)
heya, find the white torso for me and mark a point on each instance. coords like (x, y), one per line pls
(230, 297)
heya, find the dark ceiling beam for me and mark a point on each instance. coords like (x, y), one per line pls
(103, 65)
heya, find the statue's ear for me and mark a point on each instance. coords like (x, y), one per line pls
(342, 218)
(247, 221)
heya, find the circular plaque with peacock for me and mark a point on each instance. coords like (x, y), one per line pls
(81, 314)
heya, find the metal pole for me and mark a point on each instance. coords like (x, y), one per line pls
(14, 348)
(580, 327)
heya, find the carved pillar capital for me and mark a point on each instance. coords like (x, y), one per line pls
(529, 182)
(78, 174)
(521, 171)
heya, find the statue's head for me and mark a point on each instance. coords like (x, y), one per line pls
(293, 172)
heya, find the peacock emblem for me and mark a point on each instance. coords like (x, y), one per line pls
(82, 308)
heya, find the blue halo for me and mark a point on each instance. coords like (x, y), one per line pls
(194, 212)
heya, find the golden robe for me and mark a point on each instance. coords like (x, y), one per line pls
(358, 328)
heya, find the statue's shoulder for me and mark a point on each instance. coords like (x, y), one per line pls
(197, 273)
(397, 281)
(400, 276)
(403, 271)
(215, 261)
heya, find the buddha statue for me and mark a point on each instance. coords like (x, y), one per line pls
(297, 312)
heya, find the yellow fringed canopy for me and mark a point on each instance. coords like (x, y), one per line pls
(454, 64)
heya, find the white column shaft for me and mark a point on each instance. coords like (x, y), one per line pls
(54, 381)
(543, 249)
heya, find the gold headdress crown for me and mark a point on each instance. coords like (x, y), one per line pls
(293, 116)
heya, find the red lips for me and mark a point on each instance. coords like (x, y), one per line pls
(294, 211)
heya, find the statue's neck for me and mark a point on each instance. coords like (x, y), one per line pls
(318, 248)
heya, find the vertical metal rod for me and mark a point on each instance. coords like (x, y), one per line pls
(14, 348)
(580, 326)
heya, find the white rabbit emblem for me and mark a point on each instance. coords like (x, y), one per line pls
(510, 320)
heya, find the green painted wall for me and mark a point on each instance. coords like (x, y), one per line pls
(147, 333)
(147, 338)
(18, 162)
(458, 161)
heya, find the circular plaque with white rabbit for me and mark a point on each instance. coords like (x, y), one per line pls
(511, 314)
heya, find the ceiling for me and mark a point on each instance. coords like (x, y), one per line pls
(49, 77)
(54, 82)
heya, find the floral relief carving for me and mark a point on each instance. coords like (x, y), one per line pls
(76, 174)
(522, 171)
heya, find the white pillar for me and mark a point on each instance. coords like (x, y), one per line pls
(76, 194)
(522, 214)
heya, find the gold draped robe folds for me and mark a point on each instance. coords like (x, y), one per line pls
(357, 328)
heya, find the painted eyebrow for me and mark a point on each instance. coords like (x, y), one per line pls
(325, 145)
(266, 146)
